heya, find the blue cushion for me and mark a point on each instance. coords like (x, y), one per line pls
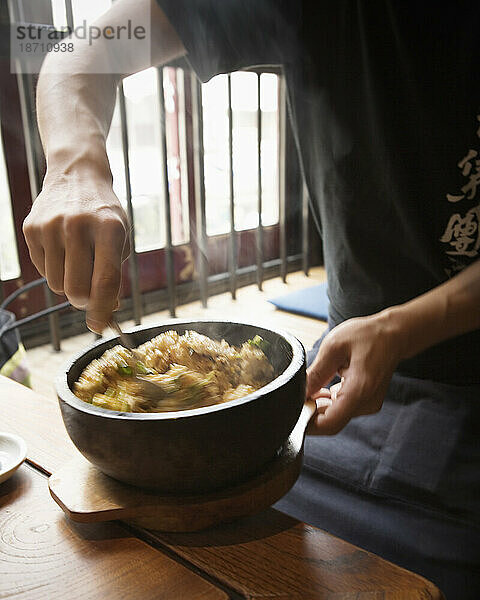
(310, 302)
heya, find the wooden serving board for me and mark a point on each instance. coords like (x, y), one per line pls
(87, 495)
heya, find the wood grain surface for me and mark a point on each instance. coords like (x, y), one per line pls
(38, 421)
(267, 555)
(272, 555)
(43, 556)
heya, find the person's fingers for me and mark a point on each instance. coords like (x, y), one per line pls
(103, 293)
(330, 358)
(346, 397)
(78, 269)
(35, 247)
(54, 263)
(106, 277)
(322, 403)
(37, 256)
(335, 388)
(322, 393)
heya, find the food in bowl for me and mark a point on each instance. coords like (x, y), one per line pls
(191, 371)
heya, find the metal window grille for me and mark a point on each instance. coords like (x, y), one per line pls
(199, 240)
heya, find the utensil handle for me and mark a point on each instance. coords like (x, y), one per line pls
(308, 410)
(298, 433)
(123, 337)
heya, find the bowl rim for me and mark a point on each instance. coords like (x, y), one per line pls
(17, 457)
(65, 394)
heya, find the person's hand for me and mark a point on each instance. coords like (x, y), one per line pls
(364, 352)
(77, 235)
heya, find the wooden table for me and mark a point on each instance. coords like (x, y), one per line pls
(43, 555)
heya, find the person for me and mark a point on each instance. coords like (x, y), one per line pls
(383, 99)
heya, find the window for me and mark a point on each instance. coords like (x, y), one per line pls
(215, 145)
(145, 159)
(269, 147)
(245, 157)
(145, 147)
(253, 95)
(9, 265)
(87, 10)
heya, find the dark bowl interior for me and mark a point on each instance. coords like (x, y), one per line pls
(195, 450)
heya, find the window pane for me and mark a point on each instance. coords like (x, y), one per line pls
(59, 13)
(9, 265)
(88, 10)
(245, 168)
(176, 152)
(146, 160)
(215, 142)
(269, 149)
(182, 135)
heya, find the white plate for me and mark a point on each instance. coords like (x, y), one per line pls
(13, 452)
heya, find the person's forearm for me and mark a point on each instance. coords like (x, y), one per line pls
(74, 115)
(77, 231)
(75, 103)
(449, 310)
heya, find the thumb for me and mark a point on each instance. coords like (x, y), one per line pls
(329, 360)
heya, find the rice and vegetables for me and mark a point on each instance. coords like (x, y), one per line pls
(191, 370)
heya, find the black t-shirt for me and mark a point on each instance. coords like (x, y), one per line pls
(385, 107)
